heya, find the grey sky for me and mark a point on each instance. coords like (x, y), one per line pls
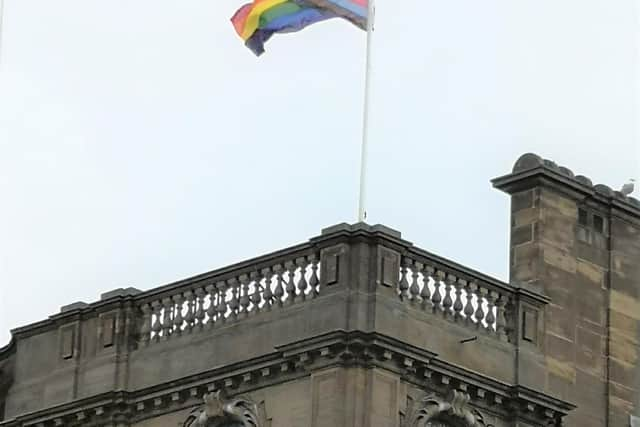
(140, 142)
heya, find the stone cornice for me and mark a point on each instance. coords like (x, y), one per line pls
(297, 360)
(531, 171)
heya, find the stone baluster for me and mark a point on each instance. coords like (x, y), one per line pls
(314, 280)
(457, 305)
(145, 328)
(436, 298)
(256, 296)
(403, 285)
(291, 285)
(190, 316)
(157, 324)
(245, 301)
(501, 321)
(211, 309)
(425, 293)
(302, 283)
(234, 303)
(447, 302)
(491, 318)
(414, 289)
(177, 317)
(167, 321)
(222, 307)
(480, 299)
(468, 307)
(268, 293)
(200, 294)
(278, 292)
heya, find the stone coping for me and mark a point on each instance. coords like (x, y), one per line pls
(531, 165)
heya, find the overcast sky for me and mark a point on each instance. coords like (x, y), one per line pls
(141, 142)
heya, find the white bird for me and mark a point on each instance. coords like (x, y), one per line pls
(628, 188)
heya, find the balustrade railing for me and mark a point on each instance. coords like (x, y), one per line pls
(455, 294)
(425, 281)
(233, 295)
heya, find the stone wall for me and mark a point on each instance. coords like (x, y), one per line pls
(580, 246)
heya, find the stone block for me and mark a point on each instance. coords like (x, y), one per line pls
(525, 216)
(590, 363)
(557, 232)
(561, 322)
(622, 372)
(590, 274)
(621, 324)
(625, 304)
(590, 302)
(561, 358)
(522, 200)
(560, 348)
(560, 286)
(558, 205)
(621, 405)
(560, 259)
(625, 266)
(623, 393)
(589, 340)
(525, 262)
(592, 254)
(521, 234)
(623, 347)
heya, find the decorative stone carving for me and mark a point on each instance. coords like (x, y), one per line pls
(219, 411)
(433, 411)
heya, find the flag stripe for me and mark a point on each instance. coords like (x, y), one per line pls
(276, 12)
(253, 19)
(240, 18)
(297, 21)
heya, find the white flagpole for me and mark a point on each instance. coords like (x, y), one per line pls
(362, 214)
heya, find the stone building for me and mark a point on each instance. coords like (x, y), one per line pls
(358, 327)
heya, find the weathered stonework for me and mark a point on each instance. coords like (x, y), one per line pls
(359, 328)
(588, 241)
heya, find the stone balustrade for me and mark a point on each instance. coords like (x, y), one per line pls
(456, 294)
(229, 297)
(426, 282)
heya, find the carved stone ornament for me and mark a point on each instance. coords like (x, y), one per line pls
(433, 411)
(218, 411)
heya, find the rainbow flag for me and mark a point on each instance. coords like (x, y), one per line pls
(256, 22)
